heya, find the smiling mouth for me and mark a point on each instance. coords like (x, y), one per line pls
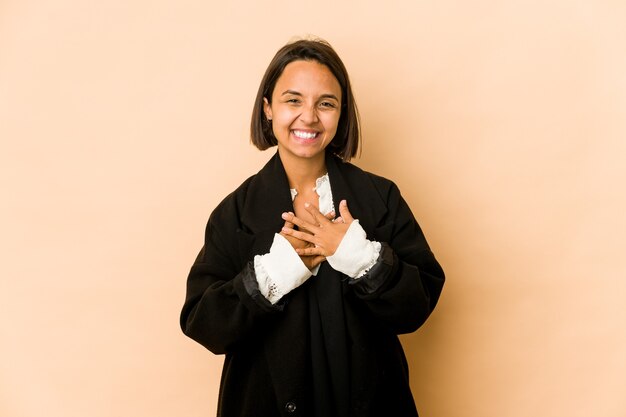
(300, 134)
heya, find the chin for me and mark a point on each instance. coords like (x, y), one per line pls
(309, 155)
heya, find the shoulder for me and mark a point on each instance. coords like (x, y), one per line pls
(229, 209)
(369, 181)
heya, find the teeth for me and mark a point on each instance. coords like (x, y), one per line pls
(304, 135)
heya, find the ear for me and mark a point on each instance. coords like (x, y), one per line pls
(267, 109)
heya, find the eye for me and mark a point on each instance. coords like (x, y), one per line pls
(328, 104)
(293, 101)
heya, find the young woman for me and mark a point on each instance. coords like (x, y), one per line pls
(312, 267)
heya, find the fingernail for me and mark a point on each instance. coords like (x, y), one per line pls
(306, 204)
(285, 215)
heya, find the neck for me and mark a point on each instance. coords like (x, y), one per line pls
(303, 172)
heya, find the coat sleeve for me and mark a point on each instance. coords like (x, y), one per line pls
(223, 305)
(403, 287)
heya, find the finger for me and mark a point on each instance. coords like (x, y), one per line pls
(295, 242)
(319, 217)
(330, 216)
(345, 213)
(339, 220)
(288, 224)
(312, 261)
(310, 251)
(302, 224)
(317, 260)
(307, 237)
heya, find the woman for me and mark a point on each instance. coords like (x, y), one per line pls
(306, 303)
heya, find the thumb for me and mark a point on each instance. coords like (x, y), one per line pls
(345, 213)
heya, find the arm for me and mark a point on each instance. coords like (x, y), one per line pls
(228, 302)
(223, 304)
(402, 287)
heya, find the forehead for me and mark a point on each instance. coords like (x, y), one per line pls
(307, 78)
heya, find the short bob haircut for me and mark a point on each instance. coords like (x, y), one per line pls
(346, 142)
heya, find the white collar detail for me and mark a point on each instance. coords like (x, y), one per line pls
(322, 188)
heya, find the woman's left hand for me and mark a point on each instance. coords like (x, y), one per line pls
(326, 235)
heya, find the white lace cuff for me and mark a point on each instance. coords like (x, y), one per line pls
(355, 254)
(279, 271)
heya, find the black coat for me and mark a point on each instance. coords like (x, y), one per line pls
(267, 371)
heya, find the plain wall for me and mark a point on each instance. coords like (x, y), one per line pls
(123, 124)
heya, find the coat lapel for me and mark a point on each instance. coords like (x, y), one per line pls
(353, 185)
(266, 197)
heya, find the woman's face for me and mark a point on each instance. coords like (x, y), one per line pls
(305, 109)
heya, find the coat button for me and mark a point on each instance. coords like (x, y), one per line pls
(290, 407)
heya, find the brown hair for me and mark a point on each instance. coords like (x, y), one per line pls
(346, 142)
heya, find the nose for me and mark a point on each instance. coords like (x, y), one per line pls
(309, 114)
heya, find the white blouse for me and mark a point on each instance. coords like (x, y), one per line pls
(281, 270)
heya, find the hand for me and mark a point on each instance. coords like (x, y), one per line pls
(324, 237)
(309, 261)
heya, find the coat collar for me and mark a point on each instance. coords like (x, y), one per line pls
(268, 195)
(354, 185)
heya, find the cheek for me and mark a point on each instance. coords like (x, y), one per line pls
(330, 121)
(283, 119)
(281, 125)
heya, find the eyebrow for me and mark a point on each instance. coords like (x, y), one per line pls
(295, 93)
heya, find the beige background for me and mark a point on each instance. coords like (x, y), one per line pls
(123, 124)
